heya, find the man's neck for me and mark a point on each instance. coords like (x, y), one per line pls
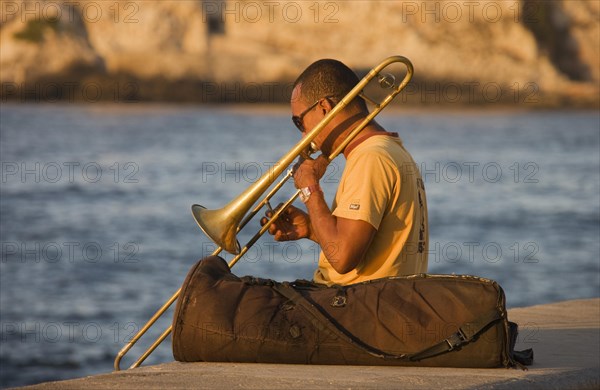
(372, 128)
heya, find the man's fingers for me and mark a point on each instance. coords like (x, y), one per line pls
(280, 229)
(279, 236)
(273, 229)
(283, 236)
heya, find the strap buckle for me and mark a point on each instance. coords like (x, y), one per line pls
(456, 340)
(339, 301)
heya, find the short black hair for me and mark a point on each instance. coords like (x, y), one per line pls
(328, 77)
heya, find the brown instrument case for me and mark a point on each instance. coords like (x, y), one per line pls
(420, 320)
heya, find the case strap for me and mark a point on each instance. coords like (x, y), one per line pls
(466, 333)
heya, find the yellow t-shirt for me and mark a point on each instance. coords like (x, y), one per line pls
(381, 185)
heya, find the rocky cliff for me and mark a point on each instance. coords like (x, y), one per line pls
(526, 52)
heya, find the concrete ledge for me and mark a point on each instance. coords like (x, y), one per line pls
(565, 337)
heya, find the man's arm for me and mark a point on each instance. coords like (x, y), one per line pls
(343, 241)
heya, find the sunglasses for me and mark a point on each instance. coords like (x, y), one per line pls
(298, 120)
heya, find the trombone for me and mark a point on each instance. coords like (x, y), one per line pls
(222, 225)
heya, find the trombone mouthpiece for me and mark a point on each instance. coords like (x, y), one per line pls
(310, 150)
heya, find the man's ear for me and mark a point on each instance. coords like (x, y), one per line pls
(325, 105)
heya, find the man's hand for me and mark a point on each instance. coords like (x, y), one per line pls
(292, 224)
(309, 172)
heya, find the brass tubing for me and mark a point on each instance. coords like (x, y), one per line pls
(249, 196)
(331, 157)
(221, 224)
(174, 297)
(263, 229)
(147, 326)
(151, 349)
(373, 113)
(144, 329)
(266, 199)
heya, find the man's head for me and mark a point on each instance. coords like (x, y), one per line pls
(316, 91)
(327, 78)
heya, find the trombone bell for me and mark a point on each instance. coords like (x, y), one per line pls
(219, 225)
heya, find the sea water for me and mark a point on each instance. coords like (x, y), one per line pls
(96, 229)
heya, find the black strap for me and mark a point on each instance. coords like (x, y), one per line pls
(465, 334)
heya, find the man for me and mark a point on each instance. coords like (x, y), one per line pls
(378, 226)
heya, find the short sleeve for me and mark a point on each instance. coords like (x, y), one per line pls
(367, 186)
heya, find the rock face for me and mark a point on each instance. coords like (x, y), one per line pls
(517, 52)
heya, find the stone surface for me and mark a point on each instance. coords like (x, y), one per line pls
(565, 337)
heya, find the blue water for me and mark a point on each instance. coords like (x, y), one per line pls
(96, 229)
